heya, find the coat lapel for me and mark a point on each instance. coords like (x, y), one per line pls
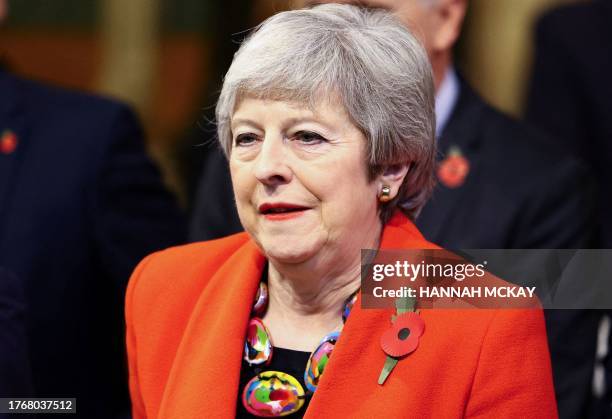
(351, 376)
(352, 372)
(462, 132)
(209, 356)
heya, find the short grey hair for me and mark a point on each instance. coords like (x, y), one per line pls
(368, 59)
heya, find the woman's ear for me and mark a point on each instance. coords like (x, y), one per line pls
(393, 177)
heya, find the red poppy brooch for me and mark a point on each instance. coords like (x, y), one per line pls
(403, 337)
(453, 170)
(8, 142)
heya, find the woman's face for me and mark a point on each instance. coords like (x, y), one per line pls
(300, 180)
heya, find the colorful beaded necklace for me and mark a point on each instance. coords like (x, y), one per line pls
(275, 393)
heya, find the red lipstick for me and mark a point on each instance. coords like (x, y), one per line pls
(278, 211)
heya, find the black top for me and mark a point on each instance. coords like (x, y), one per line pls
(283, 360)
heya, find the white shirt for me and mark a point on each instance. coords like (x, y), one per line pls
(446, 98)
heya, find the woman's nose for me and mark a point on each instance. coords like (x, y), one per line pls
(271, 166)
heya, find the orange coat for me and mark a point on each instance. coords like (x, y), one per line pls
(187, 310)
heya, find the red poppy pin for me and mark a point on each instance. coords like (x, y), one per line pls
(453, 170)
(8, 142)
(403, 337)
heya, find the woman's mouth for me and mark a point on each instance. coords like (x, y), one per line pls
(279, 211)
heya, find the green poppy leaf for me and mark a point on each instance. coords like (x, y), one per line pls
(402, 305)
(390, 363)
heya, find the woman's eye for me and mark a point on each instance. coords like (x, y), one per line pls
(245, 139)
(307, 137)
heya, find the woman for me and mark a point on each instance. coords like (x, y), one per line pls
(326, 116)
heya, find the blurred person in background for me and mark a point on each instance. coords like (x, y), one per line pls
(571, 98)
(80, 204)
(571, 92)
(501, 185)
(15, 373)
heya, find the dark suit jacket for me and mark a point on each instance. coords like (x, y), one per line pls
(15, 374)
(80, 205)
(521, 192)
(571, 91)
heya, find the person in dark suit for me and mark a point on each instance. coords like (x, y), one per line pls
(501, 185)
(570, 97)
(80, 205)
(15, 373)
(571, 91)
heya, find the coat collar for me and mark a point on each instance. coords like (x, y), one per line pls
(210, 353)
